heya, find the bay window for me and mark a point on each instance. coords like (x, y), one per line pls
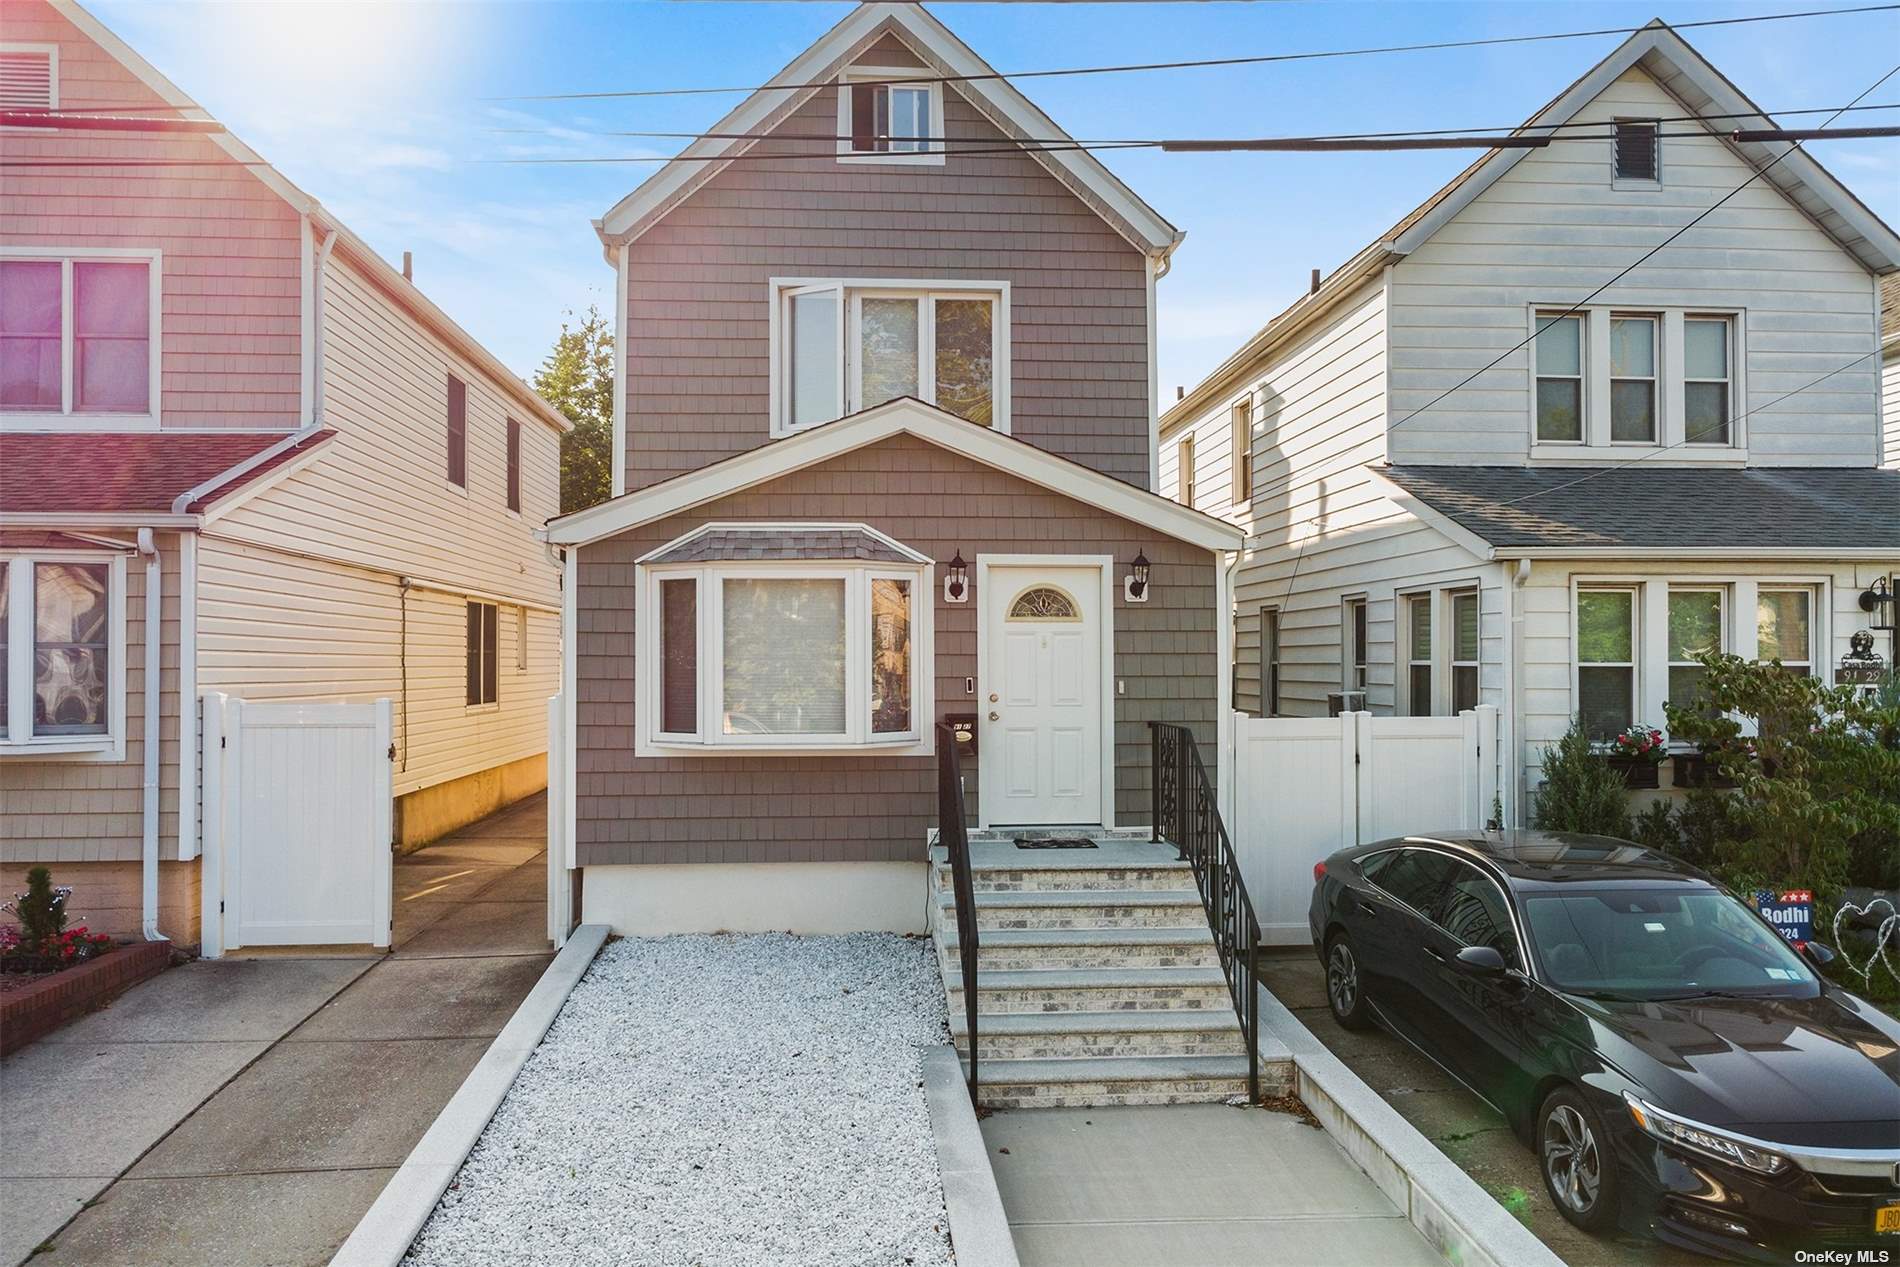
(1606, 661)
(785, 654)
(843, 347)
(79, 335)
(62, 652)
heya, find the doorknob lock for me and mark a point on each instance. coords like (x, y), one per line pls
(995, 716)
(994, 697)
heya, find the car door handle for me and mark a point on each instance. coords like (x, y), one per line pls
(1368, 910)
(1435, 953)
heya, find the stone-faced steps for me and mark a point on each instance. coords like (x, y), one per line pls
(1079, 908)
(1092, 989)
(1080, 1035)
(1014, 949)
(1041, 1084)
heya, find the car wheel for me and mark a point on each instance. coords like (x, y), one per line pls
(1573, 1153)
(1345, 993)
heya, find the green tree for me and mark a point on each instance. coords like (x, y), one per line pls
(1581, 793)
(577, 378)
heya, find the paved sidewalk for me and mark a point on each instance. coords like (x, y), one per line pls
(1189, 1186)
(247, 1111)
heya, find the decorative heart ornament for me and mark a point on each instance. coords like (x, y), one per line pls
(1883, 935)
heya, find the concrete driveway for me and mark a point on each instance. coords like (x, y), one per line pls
(1463, 1127)
(247, 1111)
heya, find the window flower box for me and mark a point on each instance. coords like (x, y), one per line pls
(1637, 752)
(1698, 769)
(1637, 772)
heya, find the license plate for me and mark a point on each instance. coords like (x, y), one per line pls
(1887, 1218)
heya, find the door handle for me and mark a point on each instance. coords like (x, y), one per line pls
(995, 716)
(1368, 910)
(1434, 952)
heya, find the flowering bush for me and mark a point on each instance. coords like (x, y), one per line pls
(63, 949)
(1645, 743)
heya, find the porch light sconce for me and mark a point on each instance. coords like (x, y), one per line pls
(1875, 600)
(956, 587)
(1135, 584)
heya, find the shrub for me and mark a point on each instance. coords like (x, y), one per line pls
(41, 910)
(1655, 828)
(1581, 793)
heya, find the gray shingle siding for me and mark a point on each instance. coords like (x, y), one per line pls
(873, 808)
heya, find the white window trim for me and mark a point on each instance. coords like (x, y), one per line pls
(52, 68)
(1426, 600)
(1553, 317)
(1596, 445)
(931, 156)
(1814, 593)
(1272, 667)
(486, 706)
(1354, 674)
(1640, 629)
(1725, 627)
(849, 289)
(1452, 663)
(19, 667)
(67, 418)
(1733, 322)
(651, 741)
(1240, 457)
(1659, 373)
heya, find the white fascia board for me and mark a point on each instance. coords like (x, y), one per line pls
(810, 72)
(96, 519)
(217, 508)
(927, 423)
(1437, 520)
(1740, 554)
(181, 504)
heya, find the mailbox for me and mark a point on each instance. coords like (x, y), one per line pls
(963, 725)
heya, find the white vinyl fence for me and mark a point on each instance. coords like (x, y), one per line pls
(1307, 786)
(296, 823)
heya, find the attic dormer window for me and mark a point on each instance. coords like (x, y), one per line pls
(1636, 149)
(883, 119)
(29, 77)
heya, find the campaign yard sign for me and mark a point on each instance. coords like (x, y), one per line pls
(1791, 912)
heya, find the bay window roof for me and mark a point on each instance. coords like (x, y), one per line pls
(833, 543)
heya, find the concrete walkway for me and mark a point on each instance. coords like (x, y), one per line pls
(247, 1111)
(1191, 1185)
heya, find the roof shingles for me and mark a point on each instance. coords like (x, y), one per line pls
(1689, 508)
(126, 473)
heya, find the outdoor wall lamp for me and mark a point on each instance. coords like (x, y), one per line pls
(956, 588)
(1135, 584)
(1876, 598)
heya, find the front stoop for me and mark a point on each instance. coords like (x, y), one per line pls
(1098, 981)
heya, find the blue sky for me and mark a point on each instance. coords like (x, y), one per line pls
(381, 110)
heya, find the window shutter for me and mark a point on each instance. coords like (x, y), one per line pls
(26, 80)
(458, 432)
(514, 465)
(474, 653)
(1635, 150)
(864, 117)
(491, 648)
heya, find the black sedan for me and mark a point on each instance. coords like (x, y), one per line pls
(1677, 1066)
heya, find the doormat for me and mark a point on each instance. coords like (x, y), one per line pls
(1054, 842)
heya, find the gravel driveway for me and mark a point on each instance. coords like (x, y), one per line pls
(716, 1100)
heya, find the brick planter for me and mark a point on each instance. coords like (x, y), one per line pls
(44, 1006)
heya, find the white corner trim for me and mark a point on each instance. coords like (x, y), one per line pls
(570, 711)
(619, 457)
(187, 829)
(927, 423)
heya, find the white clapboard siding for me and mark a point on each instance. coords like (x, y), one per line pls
(1553, 229)
(1890, 408)
(276, 627)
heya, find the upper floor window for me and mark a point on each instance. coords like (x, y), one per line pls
(1603, 378)
(843, 346)
(29, 76)
(883, 119)
(1184, 470)
(1241, 424)
(1636, 157)
(514, 465)
(458, 432)
(79, 336)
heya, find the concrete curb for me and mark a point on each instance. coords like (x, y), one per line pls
(979, 1230)
(384, 1233)
(1460, 1219)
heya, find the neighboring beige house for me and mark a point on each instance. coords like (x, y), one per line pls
(239, 453)
(1687, 461)
(883, 457)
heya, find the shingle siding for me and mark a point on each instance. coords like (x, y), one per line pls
(874, 808)
(698, 304)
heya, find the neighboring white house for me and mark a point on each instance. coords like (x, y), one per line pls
(1687, 460)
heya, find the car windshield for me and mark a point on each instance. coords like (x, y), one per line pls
(1657, 944)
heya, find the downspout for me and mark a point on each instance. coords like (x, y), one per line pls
(1225, 765)
(154, 640)
(1513, 710)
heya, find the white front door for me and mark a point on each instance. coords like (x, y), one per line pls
(1041, 741)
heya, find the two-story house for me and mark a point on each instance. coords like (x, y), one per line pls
(1472, 473)
(883, 455)
(239, 453)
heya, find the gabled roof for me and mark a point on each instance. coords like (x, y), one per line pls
(146, 473)
(1682, 72)
(904, 416)
(400, 288)
(1554, 510)
(815, 70)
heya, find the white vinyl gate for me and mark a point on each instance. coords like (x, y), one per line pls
(1307, 786)
(296, 823)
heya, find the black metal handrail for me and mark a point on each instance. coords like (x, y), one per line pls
(953, 833)
(1187, 816)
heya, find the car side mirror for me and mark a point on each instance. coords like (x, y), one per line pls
(1820, 954)
(1481, 961)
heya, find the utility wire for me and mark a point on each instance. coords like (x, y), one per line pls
(1255, 60)
(1544, 325)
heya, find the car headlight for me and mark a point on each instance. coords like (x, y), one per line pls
(1707, 1140)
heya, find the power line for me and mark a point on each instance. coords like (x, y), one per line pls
(1544, 325)
(1197, 63)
